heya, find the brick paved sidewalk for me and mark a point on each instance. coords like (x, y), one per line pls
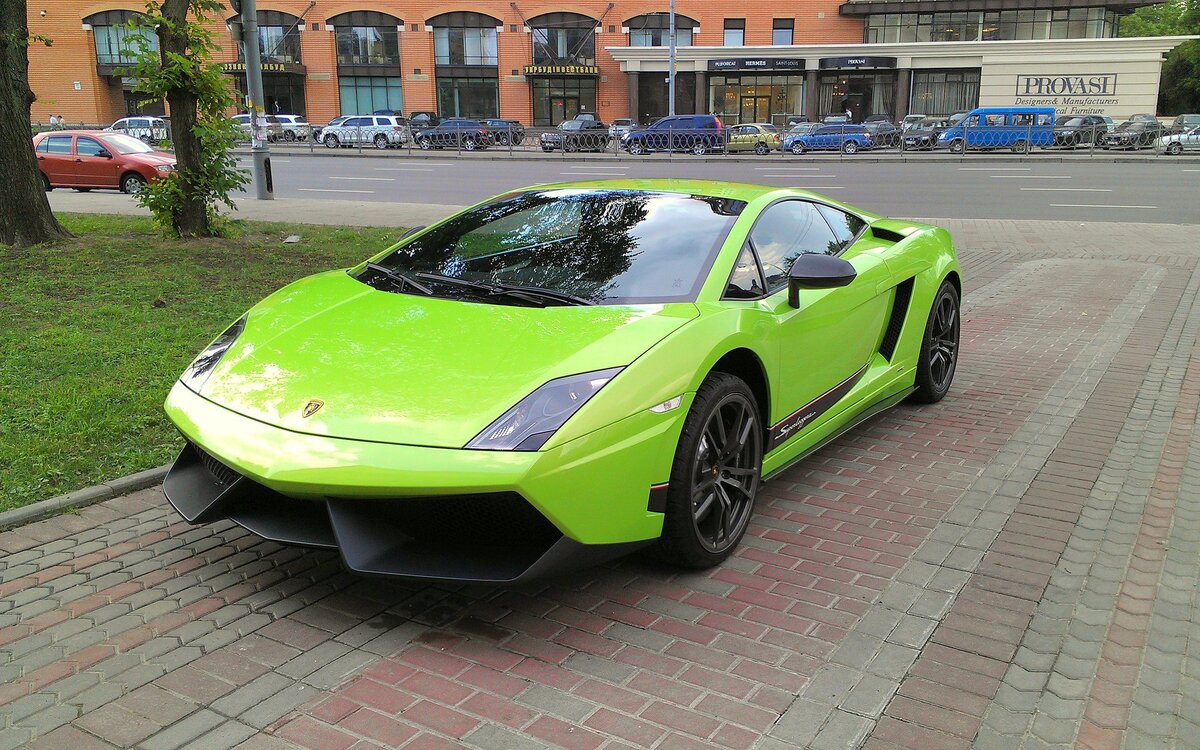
(1015, 567)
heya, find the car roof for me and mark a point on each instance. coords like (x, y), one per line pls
(707, 188)
(77, 132)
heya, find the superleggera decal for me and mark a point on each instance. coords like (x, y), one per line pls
(804, 416)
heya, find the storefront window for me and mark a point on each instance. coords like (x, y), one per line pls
(652, 96)
(559, 98)
(563, 39)
(756, 98)
(280, 44)
(653, 30)
(969, 26)
(861, 94)
(118, 42)
(368, 45)
(464, 46)
(944, 92)
(468, 97)
(362, 95)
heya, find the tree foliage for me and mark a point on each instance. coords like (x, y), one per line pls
(199, 96)
(25, 215)
(1179, 87)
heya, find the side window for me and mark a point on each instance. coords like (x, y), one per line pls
(58, 144)
(357, 122)
(970, 122)
(43, 146)
(845, 226)
(993, 121)
(1045, 120)
(745, 282)
(786, 231)
(1022, 119)
(87, 146)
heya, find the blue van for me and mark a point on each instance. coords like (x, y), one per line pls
(1016, 128)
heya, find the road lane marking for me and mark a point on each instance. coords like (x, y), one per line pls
(994, 169)
(805, 176)
(1030, 176)
(1093, 205)
(1073, 190)
(789, 169)
(372, 179)
(403, 169)
(333, 190)
(1191, 170)
(593, 174)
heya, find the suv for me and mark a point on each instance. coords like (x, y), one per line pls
(576, 135)
(294, 127)
(1133, 134)
(456, 131)
(1184, 123)
(621, 126)
(272, 124)
(1074, 130)
(148, 129)
(884, 132)
(696, 133)
(504, 131)
(382, 131)
(421, 120)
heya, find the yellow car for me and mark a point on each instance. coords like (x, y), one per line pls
(761, 138)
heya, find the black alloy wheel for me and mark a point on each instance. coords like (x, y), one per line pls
(938, 357)
(715, 475)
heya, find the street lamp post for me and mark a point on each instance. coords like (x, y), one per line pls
(671, 59)
(259, 150)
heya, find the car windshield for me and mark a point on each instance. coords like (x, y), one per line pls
(571, 125)
(1131, 125)
(769, 129)
(804, 127)
(602, 245)
(620, 121)
(1070, 122)
(124, 144)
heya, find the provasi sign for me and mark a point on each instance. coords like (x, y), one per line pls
(1073, 93)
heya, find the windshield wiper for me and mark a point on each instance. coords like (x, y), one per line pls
(536, 295)
(400, 280)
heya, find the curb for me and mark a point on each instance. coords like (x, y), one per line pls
(82, 498)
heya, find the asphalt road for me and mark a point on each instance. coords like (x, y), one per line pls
(1166, 190)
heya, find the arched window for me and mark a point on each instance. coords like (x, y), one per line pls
(653, 30)
(116, 42)
(278, 37)
(464, 39)
(563, 39)
(366, 37)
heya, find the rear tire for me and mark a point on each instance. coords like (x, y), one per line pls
(938, 358)
(850, 147)
(381, 141)
(761, 149)
(82, 190)
(46, 182)
(699, 148)
(715, 475)
(1021, 147)
(1175, 149)
(797, 148)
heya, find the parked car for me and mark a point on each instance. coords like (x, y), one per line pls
(987, 128)
(1134, 134)
(1177, 143)
(834, 119)
(86, 159)
(621, 126)
(576, 135)
(272, 124)
(1144, 117)
(800, 128)
(923, 135)
(586, 116)
(147, 129)
(294, 127)
(760, 137)
(911, 121)
(847, 137)
(1184, 123)
(420, 120)
(696, 133)
(504, 131)
(884, 132)
(1076, 130)
(381, 131)
(456, 132)
(319, 130)
(392, 112)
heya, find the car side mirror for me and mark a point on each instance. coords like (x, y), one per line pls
(816, 271)
(104, 154)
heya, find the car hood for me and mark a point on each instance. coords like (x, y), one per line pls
(151, 158)
(401, 368)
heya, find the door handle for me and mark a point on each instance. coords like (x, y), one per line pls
(79, 161)
(41, 158)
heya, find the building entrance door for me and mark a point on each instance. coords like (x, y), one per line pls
(563, 108)
(755, 109)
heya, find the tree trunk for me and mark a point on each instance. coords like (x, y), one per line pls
(191, 219)
(25, 216)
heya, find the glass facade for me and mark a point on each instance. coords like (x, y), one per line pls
(944, 92)
(464, 46)
(782, 31)
(756, 98)
(652, 30)
(970, 26)
(279, 44)
(118, 45)
(362, 95)
(861, 94)
(367, 45)
(735, 32)
(652, 96)
(564, 46)
(468, 97)
(558, 99)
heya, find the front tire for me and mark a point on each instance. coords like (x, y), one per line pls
(938, 358)
(635, 148)
(715, 475)
(957, 146)
(850, 147)
(331, 141)
(425, 143)
(132, 183)
(797, 148)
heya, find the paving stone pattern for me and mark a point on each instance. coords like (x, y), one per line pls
(1015, 567)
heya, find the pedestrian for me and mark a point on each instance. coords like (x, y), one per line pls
(53, 122)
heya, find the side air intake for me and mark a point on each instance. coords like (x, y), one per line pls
(895, 324)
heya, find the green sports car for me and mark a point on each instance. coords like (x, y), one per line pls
(563, 374)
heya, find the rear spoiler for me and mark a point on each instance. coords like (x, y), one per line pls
(894, 230)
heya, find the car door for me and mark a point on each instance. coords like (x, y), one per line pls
(56, 160)
(92, 169)
(825, 343)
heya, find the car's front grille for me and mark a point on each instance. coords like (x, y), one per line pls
(483, 518)
(221, 474)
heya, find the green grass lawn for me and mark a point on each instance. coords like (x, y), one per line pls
(94, 330)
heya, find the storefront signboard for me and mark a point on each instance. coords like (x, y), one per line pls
(1072, 93)
(757, 63)
(841, 63)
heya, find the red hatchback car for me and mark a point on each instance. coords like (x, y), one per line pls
(86, 159)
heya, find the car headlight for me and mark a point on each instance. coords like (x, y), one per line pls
(528, 425)
(165, 168)
(196, 374)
